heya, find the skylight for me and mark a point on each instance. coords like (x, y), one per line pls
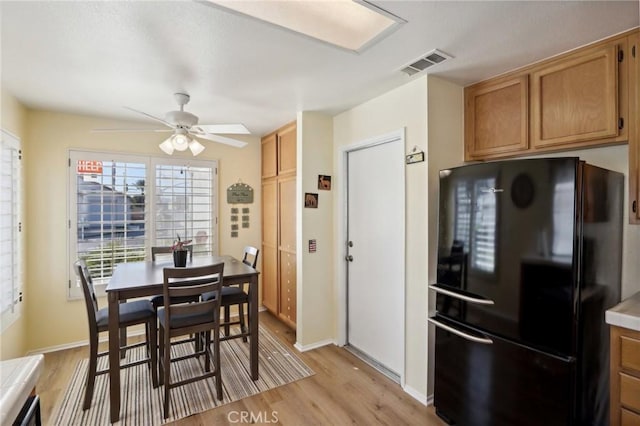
(351, 25)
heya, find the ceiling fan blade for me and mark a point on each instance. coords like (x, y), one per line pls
(229, 129)
(129, 130)
(151, 116)
(221, 139)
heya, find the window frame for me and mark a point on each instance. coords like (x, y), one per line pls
(14, 311)
(73, 290)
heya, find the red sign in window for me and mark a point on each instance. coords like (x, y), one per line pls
(91, 167)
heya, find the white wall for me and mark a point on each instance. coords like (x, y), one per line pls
(52, 320)
(315, 295)
(404, 107)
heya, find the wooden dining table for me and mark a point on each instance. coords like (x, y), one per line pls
(141, 279)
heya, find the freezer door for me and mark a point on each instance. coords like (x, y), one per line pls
(507, 237)
(500, 383)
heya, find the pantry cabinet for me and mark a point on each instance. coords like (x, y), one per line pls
(279, 223)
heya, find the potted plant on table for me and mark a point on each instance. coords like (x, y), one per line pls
(180, 252)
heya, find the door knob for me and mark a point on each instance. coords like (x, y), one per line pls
(349, 258)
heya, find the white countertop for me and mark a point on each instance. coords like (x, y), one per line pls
(18, 377)
(625, 314)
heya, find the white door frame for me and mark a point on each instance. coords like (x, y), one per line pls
(341, 219)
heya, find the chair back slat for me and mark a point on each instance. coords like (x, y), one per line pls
(90, 299)
(250, 256)
(182, 282)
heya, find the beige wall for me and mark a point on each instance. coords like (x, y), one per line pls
(49, 138)
(446, 149)
(404, 107)
(13, 341)
(315, 307)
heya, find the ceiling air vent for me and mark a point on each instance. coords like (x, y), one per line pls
(429, 59)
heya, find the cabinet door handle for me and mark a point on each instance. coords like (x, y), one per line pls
(634, 206)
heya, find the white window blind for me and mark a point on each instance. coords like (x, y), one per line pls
(10, 228)
(563, 200)
(184, 205)
(121, 205)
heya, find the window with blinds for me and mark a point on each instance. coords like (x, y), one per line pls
(476, 220)
(184, 202)
(10, 228)
(122, 205)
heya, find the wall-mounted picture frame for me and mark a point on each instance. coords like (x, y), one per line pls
(311, 200)
(324, 182)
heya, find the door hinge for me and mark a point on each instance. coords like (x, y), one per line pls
(620, 55)
(20, 297)
(19, 226)
(19, 154)
(69, 162)
(69, 283)
(620, 123)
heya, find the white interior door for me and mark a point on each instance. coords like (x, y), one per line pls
(375, 260)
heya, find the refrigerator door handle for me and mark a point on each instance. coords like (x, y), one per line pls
(462, 334)
(478, 300)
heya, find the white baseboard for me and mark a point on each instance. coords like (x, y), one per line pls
(77, 344)
(418, 396)
(311, 346)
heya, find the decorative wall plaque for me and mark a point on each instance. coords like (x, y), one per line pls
(240, 193)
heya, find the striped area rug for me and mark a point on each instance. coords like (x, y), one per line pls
(141, 404)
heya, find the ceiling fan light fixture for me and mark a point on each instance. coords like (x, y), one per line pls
(180, 141)
(167, 146)
(195, 147)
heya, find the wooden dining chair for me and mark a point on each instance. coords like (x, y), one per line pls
(236, 295)
(201, 319)
(131, 313)
(158, 300)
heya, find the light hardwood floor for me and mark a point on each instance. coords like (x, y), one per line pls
(343, 391)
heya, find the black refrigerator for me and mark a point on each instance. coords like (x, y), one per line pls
(529, 259)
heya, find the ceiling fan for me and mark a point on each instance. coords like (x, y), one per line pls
(185, 128)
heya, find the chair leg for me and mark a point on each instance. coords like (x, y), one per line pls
(167, 377)
(226, 320)
(243, 327)
(152, 345)
(91, 374)
(161, 357)
(207, 351)
(216, 360)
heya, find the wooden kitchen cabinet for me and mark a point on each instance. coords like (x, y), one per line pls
(625, 377)
(270, 244)
(575, 99)
(496, 117)
(287, 141)
(279, 223)
(634, 127)
(269, 156)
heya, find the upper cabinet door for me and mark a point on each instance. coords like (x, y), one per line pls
(496, 115)
(269, 157)
(287, 149)
(576, 99)
(634, 128)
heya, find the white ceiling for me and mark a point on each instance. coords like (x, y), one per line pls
(94, 58)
